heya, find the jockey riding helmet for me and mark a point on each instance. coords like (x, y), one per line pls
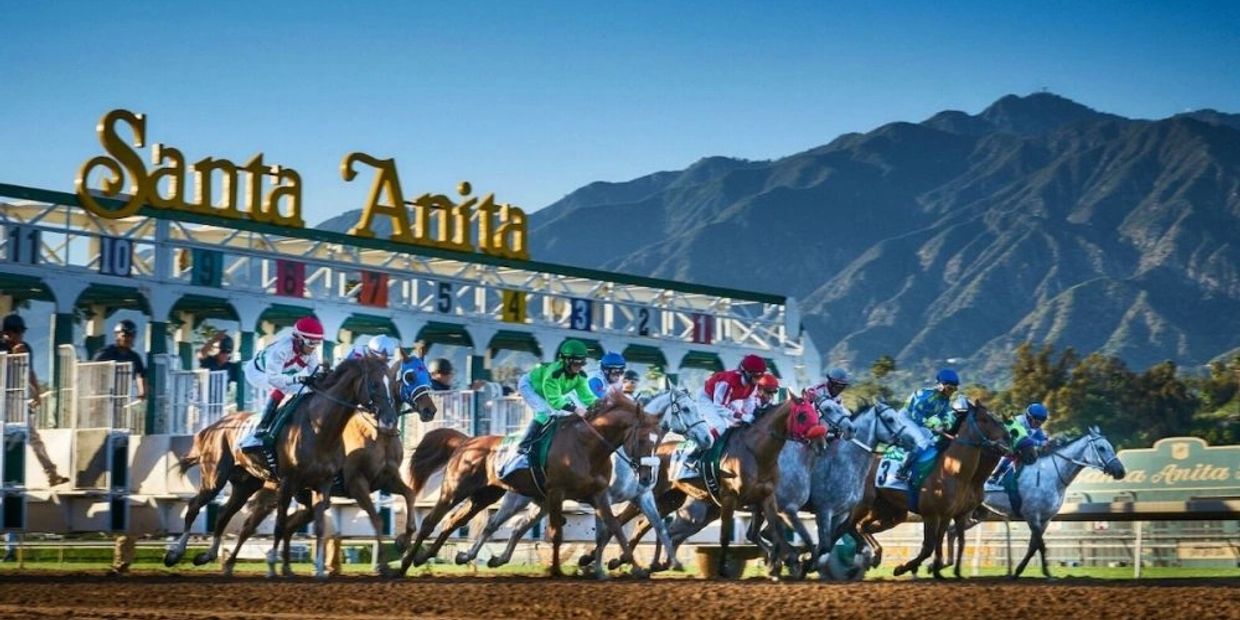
(1037, 411)
(307, 332)
(948, 376)
(573, 351)
(753, 366)
(385, 347)
(612, 362)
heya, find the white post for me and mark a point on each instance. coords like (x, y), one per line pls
(1138, 550)
(977, 548)
(1007, 526)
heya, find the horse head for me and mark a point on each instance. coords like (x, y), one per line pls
(679, 414)
(365, 382)
(830, 410)
(415, 387)
(896, 427)
(805, 423)
(1102, 455)
(640, 446)
(981, 428)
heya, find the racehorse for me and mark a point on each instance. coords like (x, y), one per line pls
(373, 455)
(750, 460)
(578, 467)
(1041, 488)
(953, 487)
(677, 412)
(835, 481)
(308, 452)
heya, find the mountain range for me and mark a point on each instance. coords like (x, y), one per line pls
(958, 237)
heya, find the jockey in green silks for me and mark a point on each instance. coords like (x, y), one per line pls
(557, 389)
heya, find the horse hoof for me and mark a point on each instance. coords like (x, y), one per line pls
(203, 559)
(601, 575)
(900, 570)
(657, 567)
(495, 562)
(585, 560)
(385, 571)
(226, 570)
(421, 557)
(462, 558)
(614, 563)
(640, 573)
(171, 559)
(554, 573)
(287, 571)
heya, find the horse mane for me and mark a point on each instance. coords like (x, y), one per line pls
(863, 404)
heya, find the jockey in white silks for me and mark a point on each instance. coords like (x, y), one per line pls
(383, 347)
(278, 369)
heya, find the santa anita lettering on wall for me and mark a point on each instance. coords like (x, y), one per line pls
(1171, 464)
(272, 194)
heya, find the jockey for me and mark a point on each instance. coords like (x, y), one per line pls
(933, 409)
(550, 389)
(279, 367)
(836, 382)
(728, 400)
(383, 347)
(630, 381)
(768, 388)
(1025, 427)
(611, 369)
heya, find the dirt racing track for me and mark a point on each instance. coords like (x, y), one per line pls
(152, 597)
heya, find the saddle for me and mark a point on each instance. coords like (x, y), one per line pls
(283, 415)
(708, 465)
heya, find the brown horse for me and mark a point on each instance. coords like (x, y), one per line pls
(578, 468)
(952, 488)
(308, 451)
(751, 463)
(373, 454)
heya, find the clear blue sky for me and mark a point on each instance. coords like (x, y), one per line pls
(533, 100)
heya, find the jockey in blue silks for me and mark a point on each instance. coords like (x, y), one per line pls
(611, 371)
(933, 409)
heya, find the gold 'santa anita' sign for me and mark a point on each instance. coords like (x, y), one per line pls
(272, 194)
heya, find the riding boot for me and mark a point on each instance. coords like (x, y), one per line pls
(907, 467)
(527, 441)
(261, 436)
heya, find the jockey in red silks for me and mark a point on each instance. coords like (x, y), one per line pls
(727, 399)
(279, 368)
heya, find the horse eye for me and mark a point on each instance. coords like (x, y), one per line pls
(801, 418)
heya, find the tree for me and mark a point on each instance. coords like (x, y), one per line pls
(882, 367)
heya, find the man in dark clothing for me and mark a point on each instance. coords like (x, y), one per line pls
(12, 340)
(216, 354)
(122, 351)
(441, 372)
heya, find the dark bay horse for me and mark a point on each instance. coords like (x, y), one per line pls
(373, 454)
(953, 487)
(578, 468)
(750, 460)
(308, 452)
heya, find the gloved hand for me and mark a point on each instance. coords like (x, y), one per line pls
(581, 411)
(307, 380)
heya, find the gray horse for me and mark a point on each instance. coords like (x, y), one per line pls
(830, 485)
(1042, 487)
(677, 412)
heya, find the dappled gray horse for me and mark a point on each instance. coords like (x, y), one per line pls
(839, 477)
(1042, 487)
(677, 413)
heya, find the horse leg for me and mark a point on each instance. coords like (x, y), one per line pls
(518, 532)
(398, 487)
(264, 503)
(461, 516)
(206, 493)
(726, 527)
(929, 527)
(284, 495)
(783, 550)
(242, 490)
(1046, 571)
(689, 520)
(959, 527)
(555, 527)
(940, 533)
(414, 554)
(359, 489)
(650, 509)
(510, 505)
(1034, 536)
(754, 534)
(602, 512)
(322, 501)
(791, 519)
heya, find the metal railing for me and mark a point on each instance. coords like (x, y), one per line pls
(100, 394)
(190, 399)
(460, 410)
(14, 387)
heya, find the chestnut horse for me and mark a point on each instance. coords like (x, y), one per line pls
(578, 468)
(308, 454)
(750, 468)
(953, 487)
(373, 455)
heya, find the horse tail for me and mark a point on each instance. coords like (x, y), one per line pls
(191, 460)
(432, 453)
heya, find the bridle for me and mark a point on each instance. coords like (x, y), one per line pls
(1092, 441)
(895, 433)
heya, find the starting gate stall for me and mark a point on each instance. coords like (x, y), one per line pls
(14, 388)
(454, 269)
